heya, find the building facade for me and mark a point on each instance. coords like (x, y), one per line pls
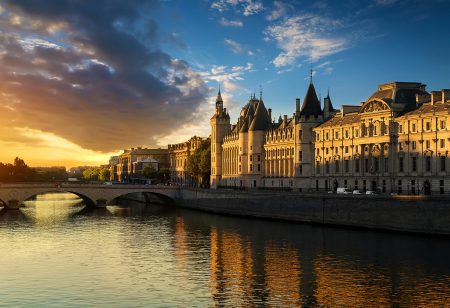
(395, 142)
(132, 161)
(179, 158)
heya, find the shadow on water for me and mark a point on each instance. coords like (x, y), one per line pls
(10, 216)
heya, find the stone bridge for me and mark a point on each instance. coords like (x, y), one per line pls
(13, 195)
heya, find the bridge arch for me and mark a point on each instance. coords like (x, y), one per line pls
(87, 200)
(165, 199)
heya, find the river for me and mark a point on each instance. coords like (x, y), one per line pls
(55, 252)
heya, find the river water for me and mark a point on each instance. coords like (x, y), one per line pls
(57, 253)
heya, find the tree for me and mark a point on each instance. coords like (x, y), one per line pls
(103, 175)
(91, 174)
(199, 163)
(149, 172)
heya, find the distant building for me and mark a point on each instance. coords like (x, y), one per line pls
(132, 161)
(395, 142)
(179, 157)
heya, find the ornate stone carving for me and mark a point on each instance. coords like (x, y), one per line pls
(373, 106)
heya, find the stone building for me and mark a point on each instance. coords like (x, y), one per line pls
(132, 161)
(396, 141)
(179, 157)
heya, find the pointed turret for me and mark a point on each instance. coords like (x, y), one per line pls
(328, 109)
(311, 104)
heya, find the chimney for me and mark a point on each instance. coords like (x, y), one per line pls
(445, 95)
(270, 114)
(436, 96)
(297, 105)
(285, 118)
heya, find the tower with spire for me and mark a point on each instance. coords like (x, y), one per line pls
(307, 117)
(220, 126)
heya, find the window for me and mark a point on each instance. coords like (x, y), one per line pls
(375, 132)
(251, 157)
(300, 156)
(400, 164)
(327, 167)
(428, 163)
(317, 167)
(442, 143)
(443, 159)
(400, 146)
(441, 187)
(356, 133)
(336, 166)
(347, 166)
(414, 164)
(400, 128)
(413, 127)
(442, 124)
(259, 157)
(326, 136)
(251, 167)
(336, 135)
(346, 134)
(428, 126)
(399, 186)
(375, 164)
(300, 169)
(300, 134)
(386, 164)
(357, 165)
(366, 165)
(427, 143)
(259, 167)
(251, 147)
(413, 145)
(326, 151)
(336, 150)
(346, 149)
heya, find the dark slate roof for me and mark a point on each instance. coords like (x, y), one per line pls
(429, 109)
(261, 121)
(311, 104)
(244, 127)
(339, 120)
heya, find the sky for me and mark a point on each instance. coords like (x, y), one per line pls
(83, 80)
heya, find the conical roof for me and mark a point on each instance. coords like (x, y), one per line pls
(261, 121)
(327, 105)
(311, 105)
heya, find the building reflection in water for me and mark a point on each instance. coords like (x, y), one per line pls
(283, 274)
(260, 263)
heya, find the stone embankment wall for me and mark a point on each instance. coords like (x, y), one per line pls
(419, 214)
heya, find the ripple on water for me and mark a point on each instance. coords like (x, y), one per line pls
(57, 253)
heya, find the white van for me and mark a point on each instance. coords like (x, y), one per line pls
(343, 190)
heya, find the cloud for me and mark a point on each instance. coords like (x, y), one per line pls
(231, 23)
(93, 73)
(304, 36)
(280, 10)
(237, 47)
(245, 7)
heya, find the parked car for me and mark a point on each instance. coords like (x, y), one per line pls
(371, 192)
(357, 192)
(343, 190)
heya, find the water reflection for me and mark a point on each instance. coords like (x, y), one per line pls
(137, 255)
